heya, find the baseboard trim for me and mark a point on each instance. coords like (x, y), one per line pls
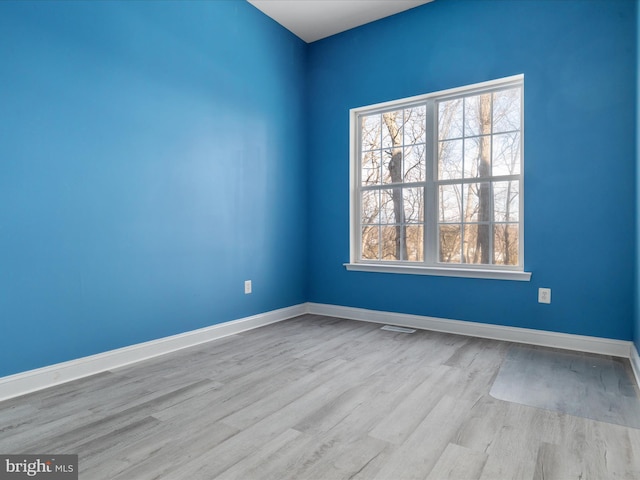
(32, 380)
(635, 363)
(603, 346)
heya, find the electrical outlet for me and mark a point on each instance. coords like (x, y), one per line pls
(544, 295)
(247, 287)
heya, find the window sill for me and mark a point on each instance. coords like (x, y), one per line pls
(516, 275)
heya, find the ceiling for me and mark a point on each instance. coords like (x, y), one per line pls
(312, 20)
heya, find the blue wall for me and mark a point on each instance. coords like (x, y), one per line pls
(151, 159)
(579, 63)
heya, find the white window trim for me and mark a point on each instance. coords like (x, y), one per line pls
(516, 273)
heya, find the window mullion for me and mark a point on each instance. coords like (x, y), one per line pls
(430, 236)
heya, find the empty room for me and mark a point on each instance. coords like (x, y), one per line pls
(319, 239)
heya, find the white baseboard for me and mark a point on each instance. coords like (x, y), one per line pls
(32, 380)
(635, 363)
(603, 346)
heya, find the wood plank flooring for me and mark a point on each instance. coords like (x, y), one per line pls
(315, 398)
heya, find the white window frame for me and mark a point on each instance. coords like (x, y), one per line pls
(430, 265)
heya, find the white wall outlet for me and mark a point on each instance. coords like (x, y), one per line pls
(544, 295)
(247, 287)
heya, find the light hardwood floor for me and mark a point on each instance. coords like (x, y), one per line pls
(314, 398)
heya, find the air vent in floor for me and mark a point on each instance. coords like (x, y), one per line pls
(393, 328)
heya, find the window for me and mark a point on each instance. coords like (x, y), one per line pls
(437, 183)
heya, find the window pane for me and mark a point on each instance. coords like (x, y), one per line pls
(370, 243)
(472, 116)
(450, 119)
(470, 201)
(389, 244)
(414, 163)
(415, 243)
(392, 129)
(450, 243)
(371, 168)
(370, 132)
(506, 154)
(477, 115)
(477, 157)
(450, 203)
(506, 110)
(413, 205)
(476, 202)
(370, 206)
(505, 244)
(392, 165)
(450, 160)
(471, 157)
(469, 244)
(506, 201)
(475, 247)
(390, 200)
(415, 125)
